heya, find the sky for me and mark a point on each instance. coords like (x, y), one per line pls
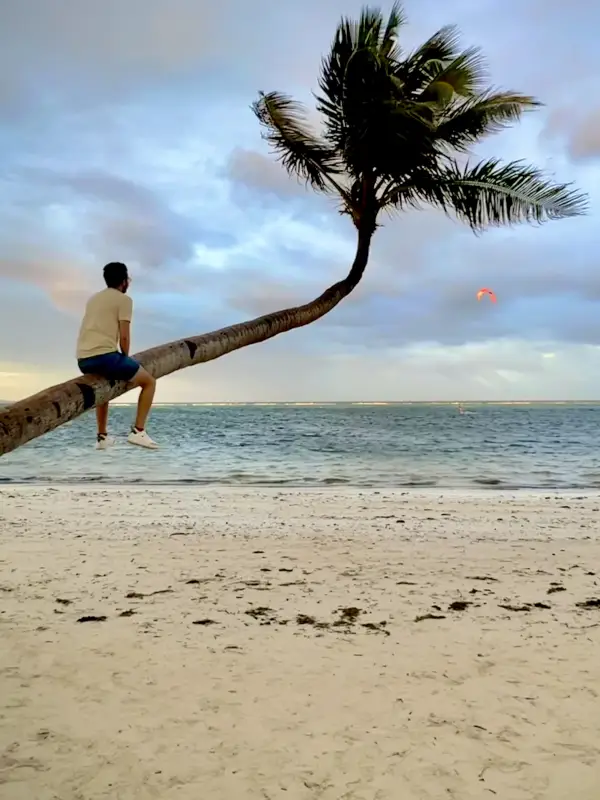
(126, 134)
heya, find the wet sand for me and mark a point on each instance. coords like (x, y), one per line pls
(307, 645)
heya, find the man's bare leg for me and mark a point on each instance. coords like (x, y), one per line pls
(147, 383)
(102, 419)
(103, 440)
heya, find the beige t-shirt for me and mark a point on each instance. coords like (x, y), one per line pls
(99, 332)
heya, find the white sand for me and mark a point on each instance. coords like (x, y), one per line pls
(484, 702)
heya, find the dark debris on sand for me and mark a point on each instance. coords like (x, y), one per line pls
(345, 620)
(142, 595)
(459, 605)
(378, 627)
(259, 612)
(524, 606)
(349, 615)
(305, 619)
(264, 616)
(594, 602)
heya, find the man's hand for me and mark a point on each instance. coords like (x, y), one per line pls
(124, 336)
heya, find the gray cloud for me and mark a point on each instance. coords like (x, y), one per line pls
(35, 334)
(82, 47)
(423, 278)
(117, 219)
(108, 47)
(501, 370)
(254, 170)
(578, 133)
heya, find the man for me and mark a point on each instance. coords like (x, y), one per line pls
(103, 349)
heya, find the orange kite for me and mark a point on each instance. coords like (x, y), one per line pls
(489, 292)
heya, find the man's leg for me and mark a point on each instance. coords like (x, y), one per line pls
(103, 440)
(138, 433)
(102, 419)
(147, 383)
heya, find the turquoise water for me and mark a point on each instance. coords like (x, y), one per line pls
(494, 446)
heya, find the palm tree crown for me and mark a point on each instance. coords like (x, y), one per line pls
(396, 125)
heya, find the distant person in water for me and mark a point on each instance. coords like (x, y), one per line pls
(103, 349)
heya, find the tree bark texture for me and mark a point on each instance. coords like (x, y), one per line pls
(47, 410)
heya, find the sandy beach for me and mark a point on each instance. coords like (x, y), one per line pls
(306, 645)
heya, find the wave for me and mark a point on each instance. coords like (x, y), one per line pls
(266, 481)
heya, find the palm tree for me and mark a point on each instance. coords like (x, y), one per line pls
(397, 134)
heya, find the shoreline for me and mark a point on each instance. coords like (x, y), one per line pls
(310, 644)
(475, 492)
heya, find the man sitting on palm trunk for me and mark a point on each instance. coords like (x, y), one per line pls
(103, 349)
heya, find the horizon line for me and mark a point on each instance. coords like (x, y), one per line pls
(365, 402)
(589, 401)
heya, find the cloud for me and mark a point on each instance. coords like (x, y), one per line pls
(108, 47)
(496, 370)
(579, 133)
(115, 215)
(66, 284)
(254, 170)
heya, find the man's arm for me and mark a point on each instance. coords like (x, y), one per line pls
(125, 336)
(125, 314)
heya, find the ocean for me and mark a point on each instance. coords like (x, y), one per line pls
(491, 446)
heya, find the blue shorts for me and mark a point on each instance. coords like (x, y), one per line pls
(113, 366)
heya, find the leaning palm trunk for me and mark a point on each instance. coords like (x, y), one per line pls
(47, 410)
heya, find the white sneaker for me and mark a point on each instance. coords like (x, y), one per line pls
(104, 442)
(142, 439)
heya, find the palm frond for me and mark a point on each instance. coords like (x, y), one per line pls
(490, 194)
(466, 75)
(300, 151)
(466, 121)
(442, 46)
(368, 31)
(332, 82)
(418, 69)
(355, 74)
(372, 32)
(388, 45)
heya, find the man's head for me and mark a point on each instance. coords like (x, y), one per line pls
(116, 276)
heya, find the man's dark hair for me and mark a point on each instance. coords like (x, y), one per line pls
(115, 274)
